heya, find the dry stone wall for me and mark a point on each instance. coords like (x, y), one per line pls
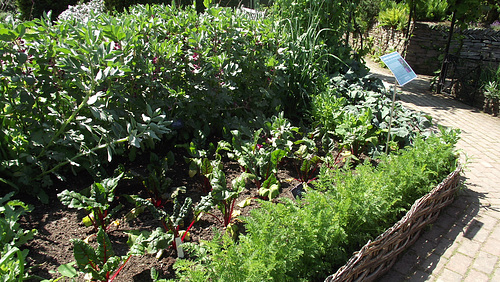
(427, 43)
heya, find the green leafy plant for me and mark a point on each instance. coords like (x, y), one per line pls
(260, 160)
(492, 91)
(100, 262)
(157, 183)
(155, 242)
(200, 164)
(96, 200)
(13, 237)
(279, 132)
(222, 196)
(394, 16)
(355, 130)
(150, 242)
(432, 10)
(306, 159)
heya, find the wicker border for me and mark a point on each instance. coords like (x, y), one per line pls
(377, 257)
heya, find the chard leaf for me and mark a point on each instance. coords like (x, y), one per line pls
(104, 250)
(206, 204)
(76, 200)
(147, 242)
(85, 255)
(180, 212)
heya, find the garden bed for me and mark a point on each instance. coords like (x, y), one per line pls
(378, 256)
(202, 145)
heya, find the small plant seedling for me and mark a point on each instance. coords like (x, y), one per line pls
(223, 197)
(100, 263)
(96, 201)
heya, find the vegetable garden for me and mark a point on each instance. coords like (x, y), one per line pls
(160, 143)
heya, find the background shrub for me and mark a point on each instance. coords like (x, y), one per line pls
(394, 15)
(117, 85)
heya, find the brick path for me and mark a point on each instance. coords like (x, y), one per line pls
(464, 243)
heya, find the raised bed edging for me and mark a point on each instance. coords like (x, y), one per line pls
(377, 257)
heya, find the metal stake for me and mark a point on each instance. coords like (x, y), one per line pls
(392, 113)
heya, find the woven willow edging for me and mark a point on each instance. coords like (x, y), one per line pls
(377, 257)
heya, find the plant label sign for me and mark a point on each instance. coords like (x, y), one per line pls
(399, 67)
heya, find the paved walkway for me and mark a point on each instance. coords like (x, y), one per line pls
(464, 243)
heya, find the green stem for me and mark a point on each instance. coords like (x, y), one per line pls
(66, 122)
(73, 115)
(81, 155)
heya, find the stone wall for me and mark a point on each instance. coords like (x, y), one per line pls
(426, 46)
(472, 53)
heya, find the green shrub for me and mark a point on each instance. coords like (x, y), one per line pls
(432, 10)
(394, 16)
(356, 113)
(366, 14)
(83, 12)
(78, 94)
(7, 7)
(121, 5)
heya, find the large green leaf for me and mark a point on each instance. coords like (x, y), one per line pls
(76, 200)
(104, 248)
(85, 255)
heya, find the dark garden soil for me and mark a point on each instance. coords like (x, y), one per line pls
(57, 224)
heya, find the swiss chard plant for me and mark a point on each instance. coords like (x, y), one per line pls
(100, 263)
(222, 196)
(171, 223)
(96, 201)
(307, 160)
(157, 182)
(270, 188)
(279, 133)
(260, 160)
(355, 130)
(201, 164)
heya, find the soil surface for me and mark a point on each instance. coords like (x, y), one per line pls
(58, 224)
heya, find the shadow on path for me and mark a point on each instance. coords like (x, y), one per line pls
(456, 222)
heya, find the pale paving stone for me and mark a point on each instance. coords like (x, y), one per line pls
(476, 276)
(488, 219)
(495, 234)
(485, 262)
(469, 247)
(449, 276)
(492, 246)
(496, 275)
(459, 263)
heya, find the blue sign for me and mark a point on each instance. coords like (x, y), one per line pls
(399, 67)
